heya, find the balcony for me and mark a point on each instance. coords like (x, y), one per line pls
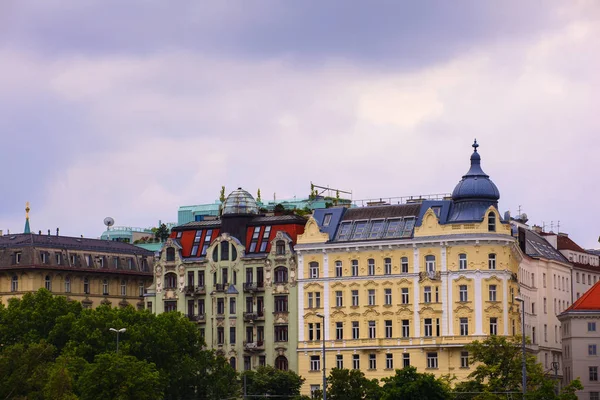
(250, 316)
(254, 346)
(250, 287)
(200, 289)
(431, 275)
(260, 315)
(219, 287)
(200, 318)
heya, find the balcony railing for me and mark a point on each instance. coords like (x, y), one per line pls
(219, 287)
(250, 316)
(254, 346)
(249, 287)
(432, 275)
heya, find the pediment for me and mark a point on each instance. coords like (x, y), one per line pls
(312, 233)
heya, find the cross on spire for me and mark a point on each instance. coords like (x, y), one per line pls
(475, 145)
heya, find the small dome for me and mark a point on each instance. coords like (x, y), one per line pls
(475, 184)
(240, 202)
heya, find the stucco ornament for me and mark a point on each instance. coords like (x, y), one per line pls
(158, 279)
(181, 278)
(268, 273)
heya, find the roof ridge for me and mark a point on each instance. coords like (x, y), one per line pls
(593, 291)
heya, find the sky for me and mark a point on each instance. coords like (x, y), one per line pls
(132, 109)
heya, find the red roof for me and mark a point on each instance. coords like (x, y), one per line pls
(564, 243)
(589, 301)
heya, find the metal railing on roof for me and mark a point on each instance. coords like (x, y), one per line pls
(401, 199)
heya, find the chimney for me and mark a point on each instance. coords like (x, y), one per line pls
(48, 232)
(56, 231)
(40, 232)
(537, 229)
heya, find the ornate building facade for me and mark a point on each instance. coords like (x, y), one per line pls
(236, 277)
(411, 284)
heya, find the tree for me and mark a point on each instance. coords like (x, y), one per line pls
(408, 384)
(120, 377)
(258, 199)
(352, 384)
(267, 380)
(222, 194)
(161, 233)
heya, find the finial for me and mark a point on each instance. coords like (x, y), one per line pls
(27, 209)
(475, 145)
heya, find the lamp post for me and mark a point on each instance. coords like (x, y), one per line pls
(522, 301)
(555, 367)
(117, 331)
(322, 316)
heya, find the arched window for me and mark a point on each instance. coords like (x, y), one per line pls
(225, 251)
(14, 285)
(280, 247)
(492, 222)
(48, 283)
(232, 362)
(170, 254)
(281, 363)
(233, 253)
(281, 274)
(68, 284)
(216, 254)
(170, 281)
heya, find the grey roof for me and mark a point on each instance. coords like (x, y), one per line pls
(537, 246)
(278, 218)
(71, 243)
(382, 212)
(198, 224)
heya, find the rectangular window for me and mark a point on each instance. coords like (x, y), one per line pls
(406, 360)
(544, 279)
(545, 333)
(123, 288)
(339, 361)
(315, 363)
(318, 331)
(371, 297)
(265, 239)
(309, 295)
(344, 231)
(432, 360)
(360, 230)
(428, 327)
(404, 295)
(404, 265)
(594, 395)
(430, 263)
(464, 326)
(389, 361)
(388, 296)
(492, 292)
(232, 307)
(591, 327)
(493, 326)
(339, 299)
(220, 306)
(372, 361)
(67, 285)
(232, 334)
(317, 299)
(372, 334)
(354, 267)
(355, 331)
(339, 331)
(464, 359)
(405, 328)
(254, 242)
(58, 258)
(327, 219)
(427, 294)
(338, 269)
(314, 270)
(592, 349)
(593, 374)
(281, 333)
(462, 291)
(387, 266)
(355, 298)
(281, 304)
(371, 266)
(462, 261)
(220, 335)
(388, 329)
(545, 306)
(376, 229)
(355, 361)
(492, 261)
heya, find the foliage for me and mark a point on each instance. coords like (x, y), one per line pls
(408, 384)
(273, 382)
(161, 233)
(222, 194)
(352, 385)
(258, 199)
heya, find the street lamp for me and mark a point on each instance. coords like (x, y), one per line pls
(117, 331)
(522, 301)
(322, 316)
(555, 367)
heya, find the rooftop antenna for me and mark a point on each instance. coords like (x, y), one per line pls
(108, 221)
(551, 226)
(558, 227)
(519, 210)
(543, 226)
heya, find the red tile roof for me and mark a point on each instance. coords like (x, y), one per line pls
(565, 243)
(589, 301)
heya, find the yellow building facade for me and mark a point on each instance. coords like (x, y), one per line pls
(411, 284)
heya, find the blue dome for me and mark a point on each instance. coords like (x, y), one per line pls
(240, 202)
(476, 184)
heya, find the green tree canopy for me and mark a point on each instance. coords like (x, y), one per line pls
(408, 384)
(267, 380)
(344, 384)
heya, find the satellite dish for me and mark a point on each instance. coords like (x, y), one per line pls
(108, 221)
(524, 218)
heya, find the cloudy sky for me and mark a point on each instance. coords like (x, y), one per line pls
(132, 108)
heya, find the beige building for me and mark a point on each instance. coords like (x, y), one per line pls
(581, 341)
(91, 271)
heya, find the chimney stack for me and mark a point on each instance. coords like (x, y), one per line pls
(56, 231)
(48, 232)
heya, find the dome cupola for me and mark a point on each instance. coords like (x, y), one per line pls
(240, 202)
(475, 184)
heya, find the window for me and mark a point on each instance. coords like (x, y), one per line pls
(462, 292)
(355, 361)
(594, 395)
(387, 266)
(170, 281)
(591, 327)
(427, 294)
(371, 297)
(170, 254)
(404, 292)
(339, 331)
(123, 287)
(314, 269)
(317, 299)
(464, 326)
(372, 361)
(593, 374)
(492, 261)
(388, 329)
(394, 228)
(545, 306)
(232, 305)
(371, 266)
(372, 334)
(327, 219)
(196, 242)
(344, 231)
(464, 359)
(14, 284)
(355, 332)
(280, 248)
(462, 261)
(388, 296)
(404, 265)
(265, 239)
(86, 286)
(360, 230)
(494, 327)
(355, 298)
(207, 239)
(281, 274)
(48, 283)
(428, 327)
(247, 363)
(354, 267)
(338, 269)
(310, 299)
(389, 361)
(405, 328)
(18, 257)
(376, 229)
(281, 333)
(492, 222)
(224, 250)
(544, 279)
(315, 363)
(232, 362)
(492, 292)
(44, 258)
(254, 242)
(592, 349)
(406, 360)
(58, 258)
(430, 263)
(105, 287)
(232, 334)
(281, 304)
(339, 361)
(545, 333)
(432, 360)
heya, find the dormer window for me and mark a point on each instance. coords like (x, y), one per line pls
(344, 232)
(18, 257)
(327, 219)
(376, 229)
(280, 248)
(360, 230)
(44, 257)
(491, 222)
(170, 254)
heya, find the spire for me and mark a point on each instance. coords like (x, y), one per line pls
(27, 209)
(475, 145)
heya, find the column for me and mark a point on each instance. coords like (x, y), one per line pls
(444, 292)
(300, 282)
(326, 309)
(478, 302)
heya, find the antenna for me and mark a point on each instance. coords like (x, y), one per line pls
(558, 226)
(108, 221)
